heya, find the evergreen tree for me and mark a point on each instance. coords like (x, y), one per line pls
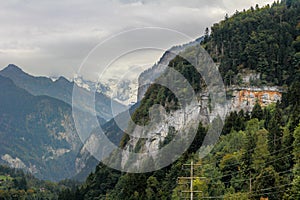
(247, 159)
(261, 153)
(257, 112)
(266, 182)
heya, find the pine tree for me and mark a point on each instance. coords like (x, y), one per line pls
(257, 112)
(206, 34)
(261, 153)
(247, 159)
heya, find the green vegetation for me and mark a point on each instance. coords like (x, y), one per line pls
(157, 94)
(15, 184)
(265, 40)
(258, 153)
(247, 163)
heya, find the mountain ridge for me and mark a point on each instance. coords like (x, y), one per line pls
(37, 133)
(60, 89)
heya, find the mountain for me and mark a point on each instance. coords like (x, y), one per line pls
(127, 91)
(37, 133)
(85, 162)
(123, 91)
(149, 76)
(257, 157)
(25, 92)
(262, 42)
(62, 89)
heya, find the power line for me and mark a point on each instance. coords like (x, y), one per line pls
(191, 178)
(253, 193)
(282, 172)
(251, 151)
(244, 170)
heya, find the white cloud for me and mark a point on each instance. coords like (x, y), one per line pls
(52, 37)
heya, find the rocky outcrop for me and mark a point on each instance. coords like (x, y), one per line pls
(246, 97)
(181, 120)
(14, 162)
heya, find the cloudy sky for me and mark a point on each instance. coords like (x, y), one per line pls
(53, 37)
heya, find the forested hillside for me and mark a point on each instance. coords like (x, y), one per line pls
(37, 133)
(265, 40)
(258, 152)
(15, 184)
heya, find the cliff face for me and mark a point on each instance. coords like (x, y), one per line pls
(177, 126)
(178, 122)
(183, 120)
(246, 97)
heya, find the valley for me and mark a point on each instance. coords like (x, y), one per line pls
(216, 118)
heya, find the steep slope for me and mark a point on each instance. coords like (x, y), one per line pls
(115, 134)
(85, 162)
(61, 89)
(256, 159)
(37, 133)
(150, 75)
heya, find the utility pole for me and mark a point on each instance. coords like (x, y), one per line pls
(191, 178)
(192, 175)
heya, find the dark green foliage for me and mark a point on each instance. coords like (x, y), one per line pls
(257, 112)
(20, 183)
(157, 94)
(237, 158)
(296, 150)
(261, 183)
(235, 121)
(292, 100)
(198, 140)
(15, 184)
(256, 155)
(103, 180)
(259, 40)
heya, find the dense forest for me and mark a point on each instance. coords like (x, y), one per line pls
(258, 154)
(258, 157)
(265, 40)
(17, 185)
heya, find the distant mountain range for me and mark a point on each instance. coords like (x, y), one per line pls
(123, 91)
(37, 133)
(61, 89)
(37, 130)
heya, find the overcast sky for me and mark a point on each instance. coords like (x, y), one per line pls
(52, 37)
